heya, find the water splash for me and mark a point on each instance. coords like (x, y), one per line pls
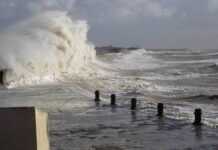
(43, 48)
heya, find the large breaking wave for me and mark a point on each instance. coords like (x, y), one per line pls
(44, 47)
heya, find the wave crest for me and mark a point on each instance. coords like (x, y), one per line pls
(44, 47)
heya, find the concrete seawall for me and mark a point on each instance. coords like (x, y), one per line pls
(23, 129)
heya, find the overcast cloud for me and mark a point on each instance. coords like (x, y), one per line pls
(145, 23)
(213, 5)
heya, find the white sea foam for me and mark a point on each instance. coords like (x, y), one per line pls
(43, 48)
(138, 59)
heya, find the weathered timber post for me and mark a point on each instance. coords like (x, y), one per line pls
(113, 100)
(197, 113)
(2, 77)
(133, 103)
(97, 96)
(160, 109)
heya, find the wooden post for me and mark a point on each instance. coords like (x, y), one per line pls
(197, 113)
(2, 76)
(133, 103)
(160, 109)
(113, 100)
(97, 96)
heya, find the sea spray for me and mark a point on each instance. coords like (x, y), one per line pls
(43, 48)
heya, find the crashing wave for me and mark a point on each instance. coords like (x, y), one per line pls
(43, 48)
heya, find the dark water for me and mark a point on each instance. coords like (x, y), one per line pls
(181, 79)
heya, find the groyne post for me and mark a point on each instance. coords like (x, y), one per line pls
(2, 74)
(113, 100)
(197, 114)
(97, 96)
(133, 103)
(160, 109)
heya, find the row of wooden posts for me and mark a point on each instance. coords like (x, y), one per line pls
(160, 107)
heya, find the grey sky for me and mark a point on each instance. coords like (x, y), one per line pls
(145, 23)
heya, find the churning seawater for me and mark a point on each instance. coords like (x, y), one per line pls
(50, 64)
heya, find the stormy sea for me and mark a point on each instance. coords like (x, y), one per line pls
(48, 62)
